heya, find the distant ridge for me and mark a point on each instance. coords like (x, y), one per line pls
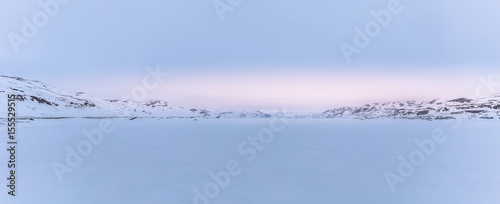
(40, 100)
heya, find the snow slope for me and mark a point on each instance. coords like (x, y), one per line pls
(483, 108)
(45, 101)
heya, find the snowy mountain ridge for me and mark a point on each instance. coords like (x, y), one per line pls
(482, 108)
(40, 100)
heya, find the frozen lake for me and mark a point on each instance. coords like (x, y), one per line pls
(259, 161)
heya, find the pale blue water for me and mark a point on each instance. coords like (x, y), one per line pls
(310, 161)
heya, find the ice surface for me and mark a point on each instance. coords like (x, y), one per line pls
(310, 161)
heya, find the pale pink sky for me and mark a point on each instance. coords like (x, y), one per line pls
(297, 91)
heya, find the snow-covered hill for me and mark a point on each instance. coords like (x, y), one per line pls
(40, 100)
(484, 108)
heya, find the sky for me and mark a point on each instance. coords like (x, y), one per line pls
(263, 54)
